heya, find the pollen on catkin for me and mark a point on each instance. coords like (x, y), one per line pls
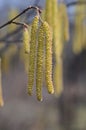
(32, 55)
(26, 39)
(39, 64)
(48, 57)
(1, 96)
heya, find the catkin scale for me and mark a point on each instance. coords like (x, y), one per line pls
(39, 66)
(48, 57)
(1, 96)
(32, 55)
(26, 40)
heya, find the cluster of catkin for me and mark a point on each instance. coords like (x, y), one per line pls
(40, 57)
(56, 15)
(79, 40)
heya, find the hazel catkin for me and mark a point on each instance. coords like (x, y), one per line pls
(55, 19)
(77, 41)
(48, 12)
(39, 66)
(24, 58)
(1, 96)
(65, 21)
(26, 39)
(78, 32)
(32, 55)
(58, 77)
(48, 57)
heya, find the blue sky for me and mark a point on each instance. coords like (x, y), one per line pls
(15, 3)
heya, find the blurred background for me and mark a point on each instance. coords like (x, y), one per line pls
(22, 112)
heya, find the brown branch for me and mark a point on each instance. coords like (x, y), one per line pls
(24, 11)
(20, 23)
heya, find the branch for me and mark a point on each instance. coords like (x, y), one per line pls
(24, 11)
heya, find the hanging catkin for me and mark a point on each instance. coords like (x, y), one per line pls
(58, 46)
(32, 55)
(48, 12)
(84, 26)
(55, 20)
(58, 77)
(39, 66)
(13, 12)
(48, 57)
(24, 57)
(1, 97)
(84, 33)
(26, 39)
(64, 17)
(77, 40)
(7, 57)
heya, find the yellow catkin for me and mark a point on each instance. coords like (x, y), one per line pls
(58, 78)
(48, 12)
(24, 57)
(39, 66)
(7, 56)
(77, 40)
(11, 14)
(59, 39)
(84, 34)
(32, 55)
(1, 96)
(84, 27)
(55, 19)
(65, 20)
(48, 57)
(43, 14)
(26, 39)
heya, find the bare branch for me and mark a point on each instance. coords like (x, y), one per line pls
(24, 11)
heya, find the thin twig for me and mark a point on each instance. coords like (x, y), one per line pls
(20, 23)
(24, 11)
